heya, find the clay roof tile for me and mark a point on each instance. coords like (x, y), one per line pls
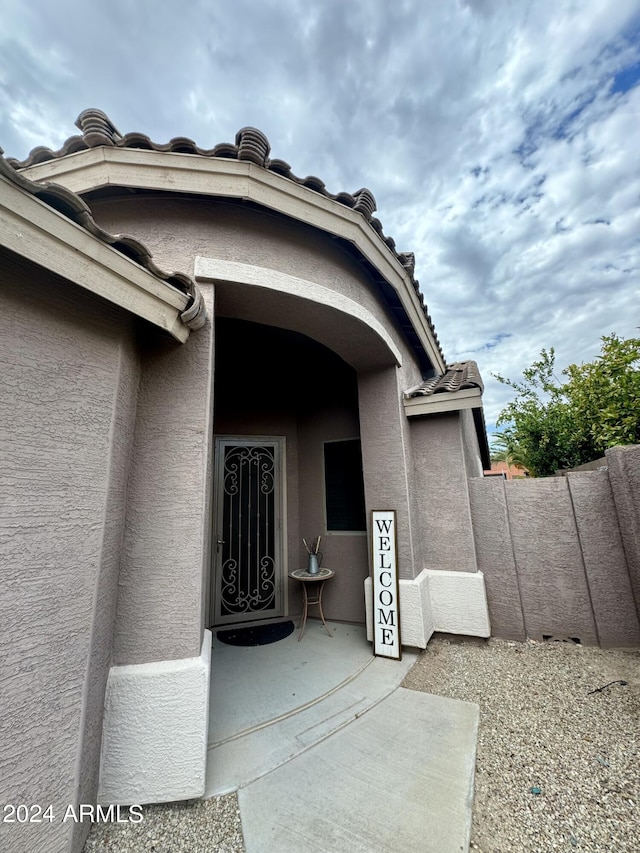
(73, 207)
(457, 377)
(250, 144)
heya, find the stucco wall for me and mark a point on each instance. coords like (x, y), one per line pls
(605, 566)
(441, 493)
(624, 476)
(386, 458)
(552, 554)
(104, 610)
(494, 550)
(161, 590)
(345, 553)
(177, 230)
(68, 384)
(471, 449)
(553, 584)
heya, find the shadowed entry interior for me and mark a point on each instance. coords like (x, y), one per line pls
(274, 385)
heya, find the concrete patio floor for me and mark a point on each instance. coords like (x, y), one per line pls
(328, 753)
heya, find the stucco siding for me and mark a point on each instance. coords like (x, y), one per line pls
(104, 605)
(604, 562)
(345, 553)
(547, 550)
(624, 475)
(61, 352)
(473, 462)
(441, 494)
(162, 573)
(386, 457)
(552, 552)
(177, 230)
(495, 556)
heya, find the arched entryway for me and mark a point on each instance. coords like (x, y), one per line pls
(288, 466)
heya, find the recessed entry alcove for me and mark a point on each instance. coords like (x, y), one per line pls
(288, 406)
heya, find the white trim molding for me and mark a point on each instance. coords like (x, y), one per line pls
(154, 739)
(42, 235)
(450, 602)
(233, 272)
(239, 179)
(432, 404)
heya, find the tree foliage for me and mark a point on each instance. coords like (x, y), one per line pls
(553, 424)
(505, 450)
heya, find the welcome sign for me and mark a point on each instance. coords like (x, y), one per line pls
(386, 598)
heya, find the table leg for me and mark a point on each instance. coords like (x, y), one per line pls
(321, 611)
(309, 601)
(305, 608)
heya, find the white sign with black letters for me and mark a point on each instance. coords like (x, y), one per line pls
(386, 598)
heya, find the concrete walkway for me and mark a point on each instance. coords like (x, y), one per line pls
(328, 753)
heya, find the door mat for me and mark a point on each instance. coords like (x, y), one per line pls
(258, 635)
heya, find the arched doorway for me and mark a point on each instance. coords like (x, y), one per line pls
(283, 404)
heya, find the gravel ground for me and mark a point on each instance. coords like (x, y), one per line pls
(558, 767)
(195, 826)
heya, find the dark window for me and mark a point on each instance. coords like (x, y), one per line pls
(344, 487)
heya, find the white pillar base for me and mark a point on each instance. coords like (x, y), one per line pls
(154, 740)
(451, 602)
(459, 603)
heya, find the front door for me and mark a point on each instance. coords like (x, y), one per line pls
(247, 533)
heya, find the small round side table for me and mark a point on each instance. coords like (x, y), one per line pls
(312, 586)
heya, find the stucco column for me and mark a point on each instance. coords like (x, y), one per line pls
(162, 571)
(386, 457)
(154, 741)
(443, 512)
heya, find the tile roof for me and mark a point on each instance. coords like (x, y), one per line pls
(70, 204)
(250, 144)
(459, 376)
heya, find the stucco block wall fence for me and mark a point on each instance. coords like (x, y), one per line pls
(561, 556)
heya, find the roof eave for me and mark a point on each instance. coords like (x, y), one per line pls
(34, 231)
(95, 168)
(468, 398)
(456, 401)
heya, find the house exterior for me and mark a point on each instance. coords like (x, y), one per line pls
(169, 438)
(506, 471)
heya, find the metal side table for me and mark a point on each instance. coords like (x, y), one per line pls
(312, 586)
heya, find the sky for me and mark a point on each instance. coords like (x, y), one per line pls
(499, 137)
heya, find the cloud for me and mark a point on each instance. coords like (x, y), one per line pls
(499, 139)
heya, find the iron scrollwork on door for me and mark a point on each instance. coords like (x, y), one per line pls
(248, 571)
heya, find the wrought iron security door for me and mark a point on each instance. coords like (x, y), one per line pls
(248, 549)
